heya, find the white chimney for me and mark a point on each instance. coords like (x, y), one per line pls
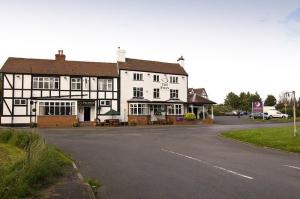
(180, 61)
(121, 55)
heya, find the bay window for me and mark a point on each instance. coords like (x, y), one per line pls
(57, 108)
(138, 109)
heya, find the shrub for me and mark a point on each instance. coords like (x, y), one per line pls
(95, 184)
(189, 116)
(42, 165)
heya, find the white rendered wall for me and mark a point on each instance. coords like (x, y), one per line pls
(127, 84)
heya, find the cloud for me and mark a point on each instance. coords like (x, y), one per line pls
(292, 23)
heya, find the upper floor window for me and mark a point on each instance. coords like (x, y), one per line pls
(156, 93)
(45, 82)
(156, 78)
(173, 94)
(105, 84)
(75, 83)
(173, 80)
(137, 92)
(138, 76)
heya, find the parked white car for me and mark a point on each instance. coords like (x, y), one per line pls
(273, 113)
(278, 114)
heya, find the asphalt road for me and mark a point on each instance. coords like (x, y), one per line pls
(179, 162)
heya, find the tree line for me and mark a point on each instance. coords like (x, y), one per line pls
(243, 101)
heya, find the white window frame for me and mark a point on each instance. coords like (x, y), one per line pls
(76, 83)
(175, 109)
(104, 103)
(57, 108)
(105, 84)
(45, 82)
(138, 109)
(155, 78)
(174, 79)
(174, 93)
(156, 93)
(138, 92)
(19, 102)
(138, 76)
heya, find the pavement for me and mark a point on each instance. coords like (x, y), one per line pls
(179, 162)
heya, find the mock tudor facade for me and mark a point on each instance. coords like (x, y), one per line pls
(58, 92)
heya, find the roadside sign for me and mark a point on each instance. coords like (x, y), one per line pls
(257, 107)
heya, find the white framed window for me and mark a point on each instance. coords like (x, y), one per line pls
(45, 83)
(156, 109)
(105, 84)
(173, 79)
(138, 109)
(137, 92)
(19, 102)
(156, 78)
(138, 76)
(156, 93)
(173, 94)
(104, 103)
(76, 83)
(175, 109)
(57, 108)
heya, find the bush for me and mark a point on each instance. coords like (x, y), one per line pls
(189, 116)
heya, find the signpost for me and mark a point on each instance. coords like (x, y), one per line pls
(257, 107)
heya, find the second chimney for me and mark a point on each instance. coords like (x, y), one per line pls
(121, 55)
(180, 61)
(60, 56)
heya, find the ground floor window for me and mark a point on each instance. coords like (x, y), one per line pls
(57, 108)
(175, 109)
(138, 109)
(156, 109)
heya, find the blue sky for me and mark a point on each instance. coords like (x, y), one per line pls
(230, 45)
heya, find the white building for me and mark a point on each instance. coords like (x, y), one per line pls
(152, 91)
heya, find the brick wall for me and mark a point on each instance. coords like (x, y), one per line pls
(49, 121)
(139, 119)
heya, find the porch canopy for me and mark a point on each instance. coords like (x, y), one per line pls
(198, 102)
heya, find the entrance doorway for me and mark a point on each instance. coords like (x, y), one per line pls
(87, 113)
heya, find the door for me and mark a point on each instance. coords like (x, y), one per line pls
(87, 113)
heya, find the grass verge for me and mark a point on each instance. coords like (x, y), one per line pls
(278, 138)
(30, 164)
(278, 120)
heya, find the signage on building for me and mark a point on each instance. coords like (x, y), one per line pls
(86, 103)
(164, 83)
(257, 107)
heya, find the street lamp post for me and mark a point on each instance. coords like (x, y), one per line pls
(294, 110)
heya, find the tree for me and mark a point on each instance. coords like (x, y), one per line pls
(270, 101)
(232, 100)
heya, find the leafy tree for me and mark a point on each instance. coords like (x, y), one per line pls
(270, 101)
(232, 100)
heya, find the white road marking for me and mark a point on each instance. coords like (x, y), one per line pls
(233, 172)
(204, 162)
(189, 157)
(294, 167)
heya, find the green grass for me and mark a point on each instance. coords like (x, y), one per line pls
(278, 120)
(278, 138)
(10, 154)
(30, 164)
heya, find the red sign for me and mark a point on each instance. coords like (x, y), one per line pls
(257, 107)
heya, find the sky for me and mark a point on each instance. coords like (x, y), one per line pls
(232, 45)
